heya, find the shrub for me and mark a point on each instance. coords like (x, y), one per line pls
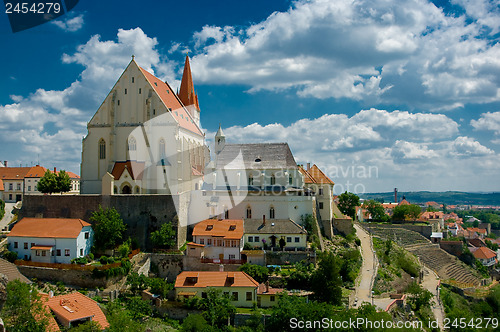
(358, 242)
(11, 256)
(103, 260)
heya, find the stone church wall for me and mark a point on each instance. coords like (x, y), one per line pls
(143, 214)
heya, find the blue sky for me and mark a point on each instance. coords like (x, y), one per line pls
(379, 94)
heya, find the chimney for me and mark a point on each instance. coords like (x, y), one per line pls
(54, 170)
(221, 268)
(308, 166)
(5, 163)
(263, 219)
(267, 286)
(396, 195)
(51, 294)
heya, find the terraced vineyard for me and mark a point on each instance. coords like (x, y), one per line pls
(445, 265)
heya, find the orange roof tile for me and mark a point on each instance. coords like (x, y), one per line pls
(226, 228)
(214, 279)
(76, 306)
(315, 175)
(484, 253)
(272, 291)
(307, 177)
(134, 168)
(477, 230)
(42, 247)
(13, 173)
(171, 101)
(48, 227)
(36, 172)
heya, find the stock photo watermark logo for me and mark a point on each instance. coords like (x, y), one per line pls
(351, 178)
(27, 14)
(169, 163)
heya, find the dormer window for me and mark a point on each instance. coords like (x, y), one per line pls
(210, 227)
(232, 227)
(258, 160)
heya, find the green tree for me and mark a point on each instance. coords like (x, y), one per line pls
(376, 210)
(120, 319)
(138, 308)
(2, 209)
(194, 323)
(89, 326)
(48, 183)
(23, 310)
(217, 308)
(108, 228)
(259, 273)
(347, 204)
(63, 182)
(165, 237)
(326, 281)
(406, 212)
(418, 297)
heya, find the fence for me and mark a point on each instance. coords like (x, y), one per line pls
(223, 261)
(67, 266)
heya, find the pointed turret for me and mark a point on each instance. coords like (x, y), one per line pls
(220, 140)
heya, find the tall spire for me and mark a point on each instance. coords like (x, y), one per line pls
(186, 93)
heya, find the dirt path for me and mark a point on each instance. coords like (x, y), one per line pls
(368, 268)
(431, 282)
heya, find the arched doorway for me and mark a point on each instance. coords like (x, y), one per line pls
(126, 190)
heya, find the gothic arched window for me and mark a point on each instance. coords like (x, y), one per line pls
(249, 212)
(271, 212)
(132, 144)
(273, 180)
(102, 149)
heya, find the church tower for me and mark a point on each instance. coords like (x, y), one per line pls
(187, 95)
(220, 140)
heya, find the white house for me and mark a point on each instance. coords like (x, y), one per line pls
(50, 240)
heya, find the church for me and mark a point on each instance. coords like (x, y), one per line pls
(145, 138)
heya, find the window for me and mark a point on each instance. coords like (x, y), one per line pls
(209, 242)
(44, 253)
(273, 298)
(226, 214)
(66, 252)
(297, 239)
(250, 180)
(202, 241)
(321, 205)
(102, 149)
(256, 239)
(29, 188)
(271, 212)
(132, 144)
(132, 79)
(320, 191)
(58, 252)
(87, 235)
(232, 257)
(249, 296)
(32, 244)
(203, 295)
(162, 148)
(38, 252)
(288, 239)
(273, 180)
(118, 101)
(10, 197)
(235, 296)
(290, 179)
(15, 245)
(18, 186)
(249, 212)
(81, 252)
(125, 91)
(25, 245)
(139, 90)
(250, 239)
(11, 186)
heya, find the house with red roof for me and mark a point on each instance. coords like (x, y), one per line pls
(321, 186)
(485, 255)
(50, 240)
(15, 182)
(218, 239)
(73, 309)
(145, 136)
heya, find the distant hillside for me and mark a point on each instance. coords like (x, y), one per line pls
(448, 197)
